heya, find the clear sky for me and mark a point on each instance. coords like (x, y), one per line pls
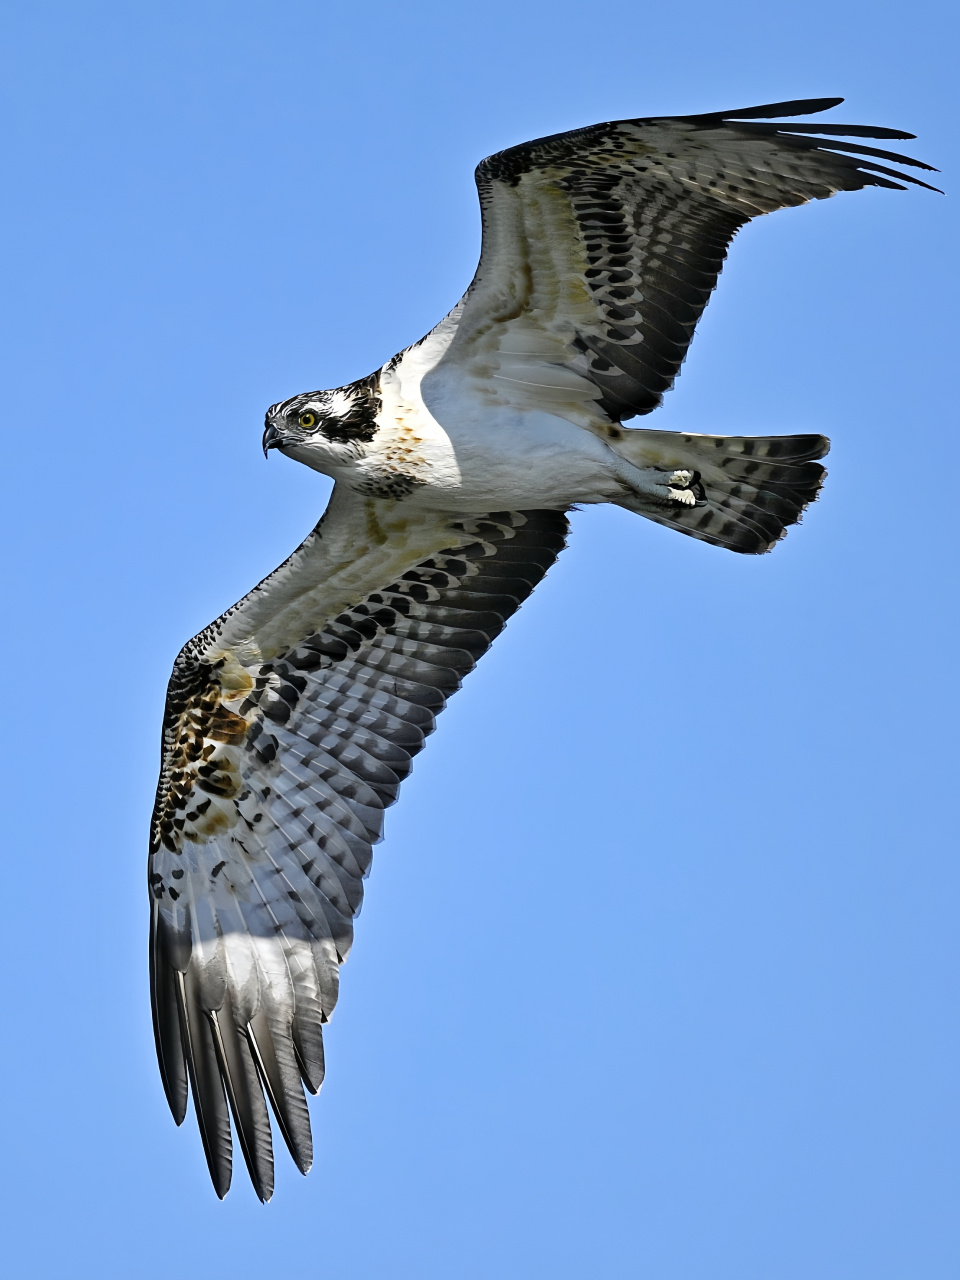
(658, 971)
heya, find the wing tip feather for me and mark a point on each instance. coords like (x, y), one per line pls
(168, 1037)
(287, 1099)
(768, 110)
(209, 1100)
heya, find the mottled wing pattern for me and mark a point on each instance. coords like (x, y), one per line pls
(290, 723)
(601, 246)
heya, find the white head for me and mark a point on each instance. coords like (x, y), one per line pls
(327, 430)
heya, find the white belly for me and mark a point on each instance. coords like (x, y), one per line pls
(474, 457)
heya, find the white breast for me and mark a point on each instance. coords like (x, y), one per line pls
(468, 451)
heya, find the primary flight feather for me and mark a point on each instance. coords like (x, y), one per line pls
(292, 719)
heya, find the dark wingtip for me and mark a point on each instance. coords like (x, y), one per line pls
(221, 1172)
(241, 1082)
(798, 107)
(166, 1024)
(209, 1100)
(853, 155)
(284, 1089)
(846, 130)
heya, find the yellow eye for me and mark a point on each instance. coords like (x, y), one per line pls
(308, 420)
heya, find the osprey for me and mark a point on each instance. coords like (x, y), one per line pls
(292, 719)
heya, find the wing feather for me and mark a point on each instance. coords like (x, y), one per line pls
(290, 723)
(601, 247)
(241, 1081)
(205, 1080)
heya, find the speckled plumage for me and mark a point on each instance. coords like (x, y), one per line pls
(293, 718)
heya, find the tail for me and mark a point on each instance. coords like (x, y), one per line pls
(744, 491)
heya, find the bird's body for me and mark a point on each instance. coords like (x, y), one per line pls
(440, 448)
(292, 719)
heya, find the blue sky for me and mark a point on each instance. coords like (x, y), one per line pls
(658, 969)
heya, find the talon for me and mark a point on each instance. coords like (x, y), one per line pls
(686, 497)
(680, 485)
(685, 487)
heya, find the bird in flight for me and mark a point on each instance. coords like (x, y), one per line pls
(291, 720)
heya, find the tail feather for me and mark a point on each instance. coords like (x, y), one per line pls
(748, 489)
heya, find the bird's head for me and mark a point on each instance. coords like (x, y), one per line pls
(325, 429)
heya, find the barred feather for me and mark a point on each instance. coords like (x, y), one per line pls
(276, 773)
(750, 488)
(602, 246)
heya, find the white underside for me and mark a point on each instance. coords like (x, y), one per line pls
(448, 438)
(504, 461)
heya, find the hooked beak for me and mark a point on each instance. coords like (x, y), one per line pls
(271, 438)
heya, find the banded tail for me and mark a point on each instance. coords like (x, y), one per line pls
(745, 491)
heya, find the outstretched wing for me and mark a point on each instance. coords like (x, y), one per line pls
(290, 723)
(601, 246)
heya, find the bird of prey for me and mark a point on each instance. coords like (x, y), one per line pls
(292, 719)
